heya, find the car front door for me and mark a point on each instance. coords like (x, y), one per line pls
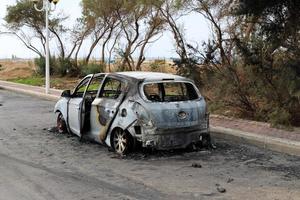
(76, 105)
(105, 107)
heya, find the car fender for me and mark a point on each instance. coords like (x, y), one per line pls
(62, 107)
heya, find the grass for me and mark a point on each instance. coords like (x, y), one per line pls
(59, 83)
(35, 81)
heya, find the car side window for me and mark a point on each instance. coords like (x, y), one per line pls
(112, 89)
(94, 85)
(152, 92)
(79, 91)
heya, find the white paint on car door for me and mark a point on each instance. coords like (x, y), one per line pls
(76, 106)
(74, 115)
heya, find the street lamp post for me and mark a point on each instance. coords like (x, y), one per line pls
(47, 8)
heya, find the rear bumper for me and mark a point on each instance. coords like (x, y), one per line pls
(164, 139)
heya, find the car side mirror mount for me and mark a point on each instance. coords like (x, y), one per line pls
(66, 93)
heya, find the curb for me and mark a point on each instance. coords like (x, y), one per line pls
(267, 142)
(49, 97)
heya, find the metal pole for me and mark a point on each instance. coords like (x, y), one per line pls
(47, 84)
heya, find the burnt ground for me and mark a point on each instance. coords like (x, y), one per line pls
(39, 164)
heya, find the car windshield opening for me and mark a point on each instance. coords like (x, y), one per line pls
(170, 92)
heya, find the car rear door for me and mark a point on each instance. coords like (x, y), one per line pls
(105, 107)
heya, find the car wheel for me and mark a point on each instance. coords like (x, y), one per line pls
(61, 124)
(206, 141)
(121, 141)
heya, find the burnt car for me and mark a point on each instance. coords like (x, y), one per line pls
(157, 110)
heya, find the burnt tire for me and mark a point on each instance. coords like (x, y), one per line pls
(205, 142)
(61, 124)
(122, 141)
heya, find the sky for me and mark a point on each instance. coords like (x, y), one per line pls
(196, 30)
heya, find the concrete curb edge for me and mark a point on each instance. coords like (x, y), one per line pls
(272, 143)
(49, 97)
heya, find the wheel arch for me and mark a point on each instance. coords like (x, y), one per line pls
(62, 107)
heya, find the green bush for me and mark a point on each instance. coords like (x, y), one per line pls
(58, 66)
(280, 116)
(41, 65)
(92, 68)
(1, 67)
(65, 67)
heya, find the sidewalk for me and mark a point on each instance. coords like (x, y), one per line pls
(257, 133)
(31, 90)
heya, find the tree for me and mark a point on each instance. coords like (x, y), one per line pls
(141, 23)
(23, 21)
(251, 62)
(272, 54)
(133, 23)
(172, 10)
(100, 22)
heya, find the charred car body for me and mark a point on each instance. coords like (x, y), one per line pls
(158, 110)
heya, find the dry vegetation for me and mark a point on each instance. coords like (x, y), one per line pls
(16, 69)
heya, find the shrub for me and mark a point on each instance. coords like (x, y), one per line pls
(65, 67)
(92, 68)
(1, 67)
(157, 65)
(280, 116)
(58, 66)
(41, 65)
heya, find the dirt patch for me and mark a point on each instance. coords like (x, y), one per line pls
(16, 69)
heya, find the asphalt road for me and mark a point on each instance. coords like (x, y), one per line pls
(38, 164)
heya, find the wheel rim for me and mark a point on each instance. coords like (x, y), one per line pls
(60, 123)
(120, 141)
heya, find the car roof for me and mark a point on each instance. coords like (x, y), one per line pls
(151, 76)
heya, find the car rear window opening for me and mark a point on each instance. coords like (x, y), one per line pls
(170, 92)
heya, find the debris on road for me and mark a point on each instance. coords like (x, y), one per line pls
(249, 161)
(196, 165)
(221, 189)
(52, 130)
(229, 180)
